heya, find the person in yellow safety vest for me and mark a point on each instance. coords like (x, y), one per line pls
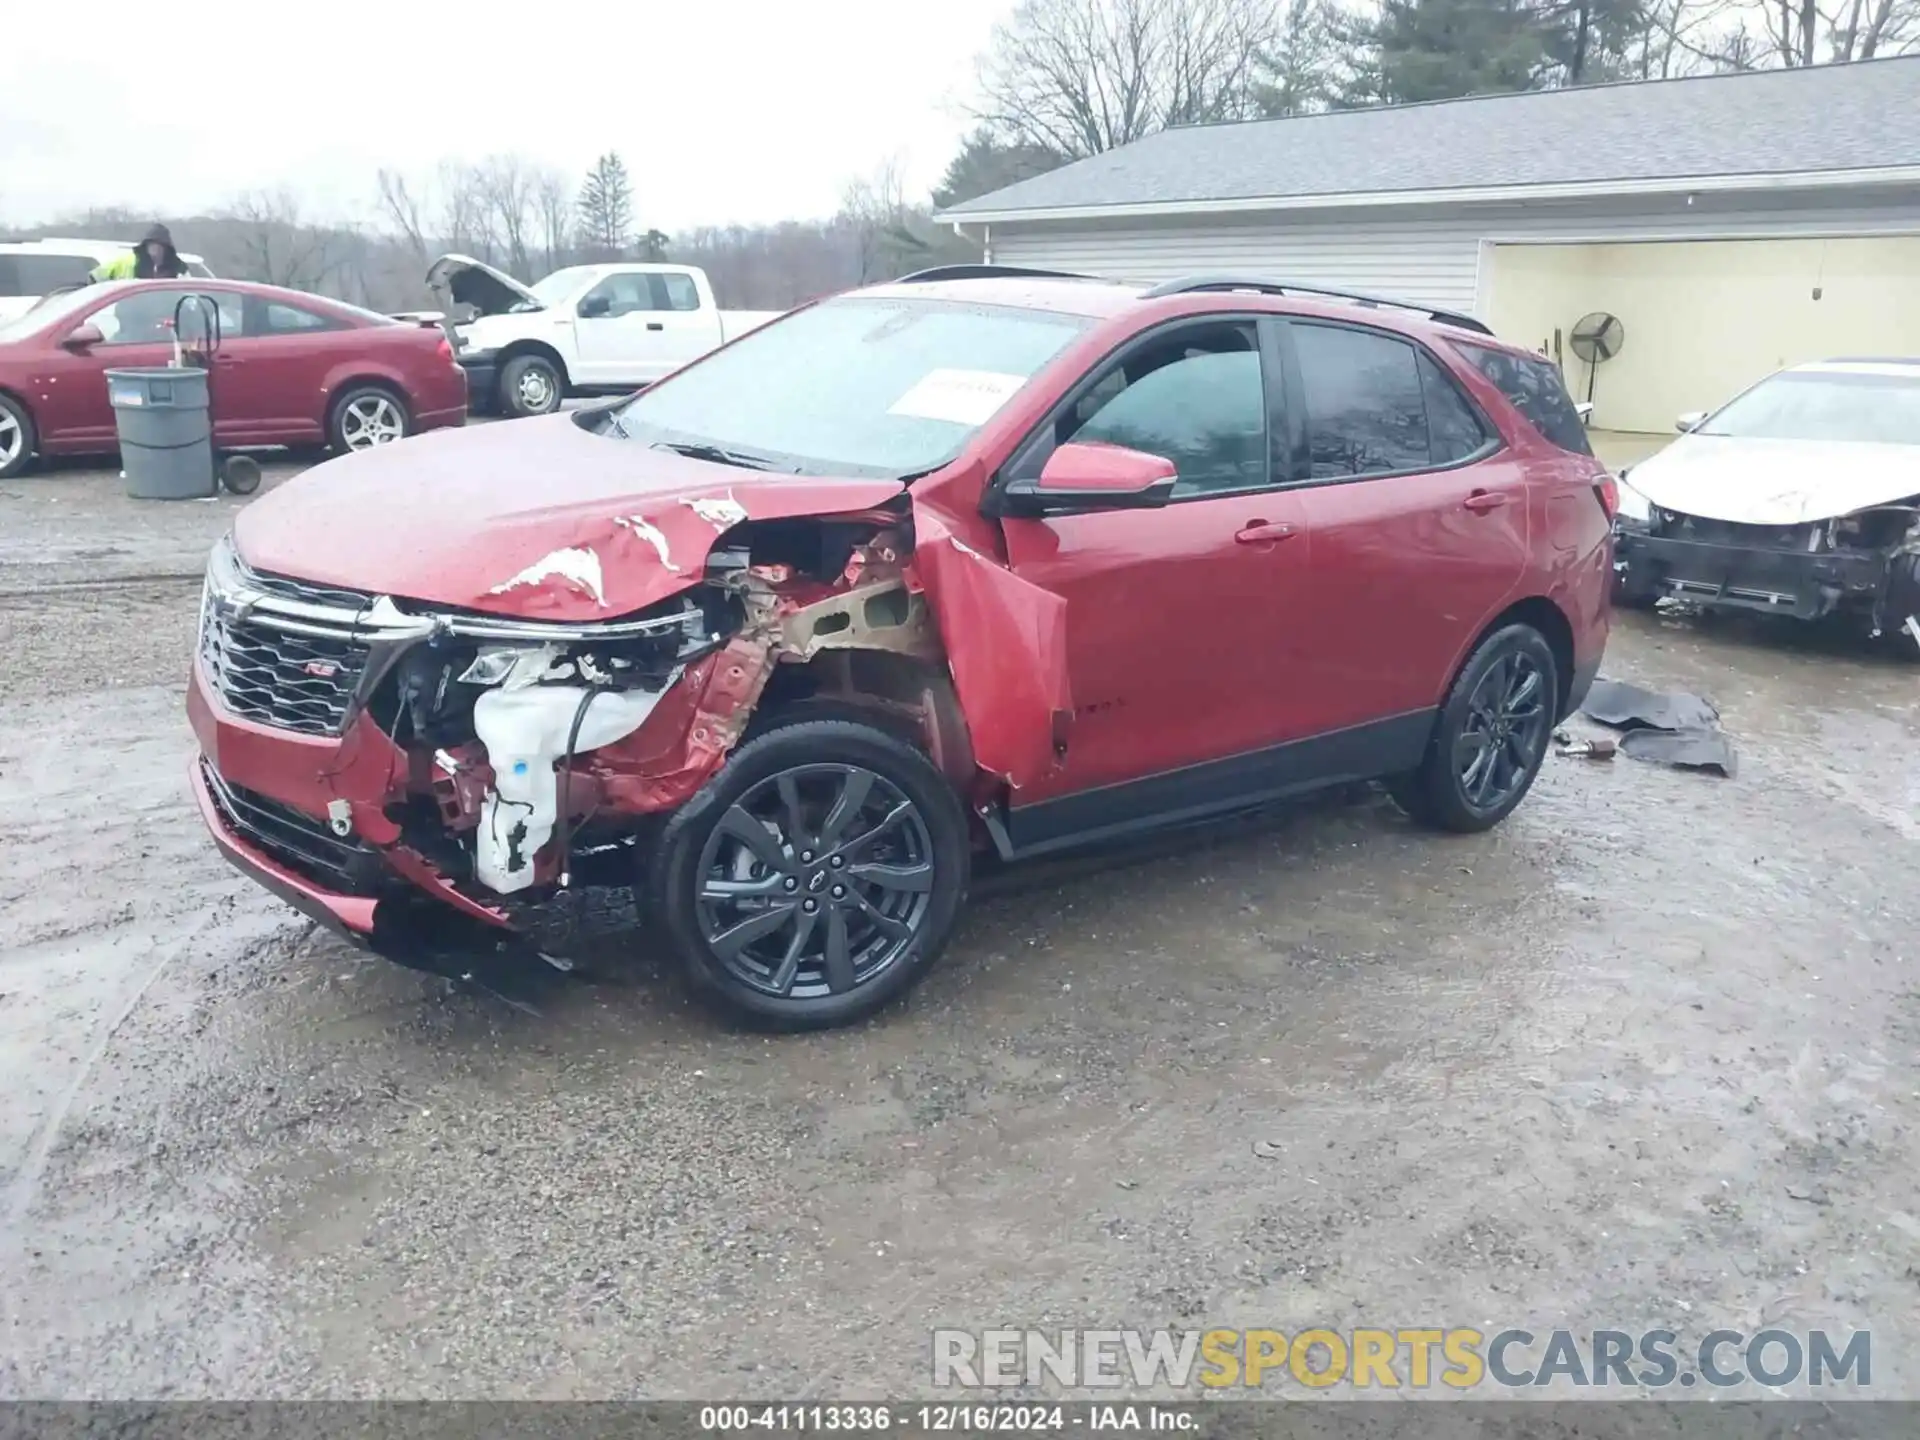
(153, 259)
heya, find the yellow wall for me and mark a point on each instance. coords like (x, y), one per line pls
(1705, 318)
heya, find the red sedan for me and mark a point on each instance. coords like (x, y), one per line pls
(288, 369)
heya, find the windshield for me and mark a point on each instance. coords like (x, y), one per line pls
(48, 312)
(559, 284)
(1825, 405)
(858, 386)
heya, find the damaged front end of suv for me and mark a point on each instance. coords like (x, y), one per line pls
(714, 660)
(519, 770)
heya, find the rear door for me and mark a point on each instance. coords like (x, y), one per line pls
(688, 321)
(1182, 624)
(1419, 518)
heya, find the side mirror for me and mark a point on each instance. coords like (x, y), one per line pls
(1093, 477)
(83, 337)
(595, 307)
(1692, 420)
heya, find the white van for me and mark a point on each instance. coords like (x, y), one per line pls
(30, 270)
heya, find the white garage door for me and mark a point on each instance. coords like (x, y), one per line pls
(1705, 318)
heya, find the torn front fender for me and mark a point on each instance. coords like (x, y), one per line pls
(1006, 642)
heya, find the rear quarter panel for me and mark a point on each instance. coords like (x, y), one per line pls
(404, 359)
(1571, 557)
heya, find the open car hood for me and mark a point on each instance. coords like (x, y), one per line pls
(1775, 482)
(538, 519)
(463, 280)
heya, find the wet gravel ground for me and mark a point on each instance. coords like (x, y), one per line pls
(1643, 1058)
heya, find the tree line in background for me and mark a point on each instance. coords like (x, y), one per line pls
(1060, 80)
(1064, 79)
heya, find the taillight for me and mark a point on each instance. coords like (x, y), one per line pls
(1609, 492)
(446, 350)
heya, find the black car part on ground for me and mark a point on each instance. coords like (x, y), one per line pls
(1669, 728)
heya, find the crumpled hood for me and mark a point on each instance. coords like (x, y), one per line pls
(537, 519)
(1775, 482)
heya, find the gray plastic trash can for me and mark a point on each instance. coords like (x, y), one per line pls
(166, 432)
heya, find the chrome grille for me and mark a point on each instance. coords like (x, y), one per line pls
(295, 839)
(307, 591)
(275, 677)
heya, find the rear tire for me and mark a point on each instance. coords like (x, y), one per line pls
(1489, 738)
(531, 385)
(816, 879)
(17, 438)
(366, 417)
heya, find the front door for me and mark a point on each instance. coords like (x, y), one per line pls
(621, 337)
(1419, 521)
(1183, 624)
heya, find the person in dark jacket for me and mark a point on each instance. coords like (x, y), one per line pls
(153, 259)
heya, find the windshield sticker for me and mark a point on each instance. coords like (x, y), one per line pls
(960, 397)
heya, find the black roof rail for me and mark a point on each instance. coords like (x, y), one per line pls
(1193, 284)
(986, 272)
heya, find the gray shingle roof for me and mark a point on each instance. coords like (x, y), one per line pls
(1832, 117)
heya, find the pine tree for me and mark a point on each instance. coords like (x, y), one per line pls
(1415, 50)
(606, 206)
(986, 163)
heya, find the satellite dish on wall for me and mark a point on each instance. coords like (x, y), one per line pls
(1596, 338)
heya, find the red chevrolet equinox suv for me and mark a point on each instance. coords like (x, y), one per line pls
(754, 664)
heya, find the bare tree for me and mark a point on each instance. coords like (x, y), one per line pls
(1864, 29)
(1082, 76)
(281, 249)
(554, 206)
(405, 211)
(463, 210)
(506, 188)
(874, 209)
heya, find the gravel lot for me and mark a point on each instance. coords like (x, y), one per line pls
(1644, 1057)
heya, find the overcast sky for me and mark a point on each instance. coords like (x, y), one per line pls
(726, 110)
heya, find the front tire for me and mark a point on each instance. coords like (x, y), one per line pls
(1490, 736)
(365, 417)
(816, 878)
(531, 385)
(17, 438)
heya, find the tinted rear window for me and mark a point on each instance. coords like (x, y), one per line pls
(1536, 390)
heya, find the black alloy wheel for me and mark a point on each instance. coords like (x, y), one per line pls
(1508, 717)
(1490, 736)
(816, 877)
(815, 881)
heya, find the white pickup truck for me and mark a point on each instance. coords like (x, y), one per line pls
(584, 330)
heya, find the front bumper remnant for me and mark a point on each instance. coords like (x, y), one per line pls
(1803, 584)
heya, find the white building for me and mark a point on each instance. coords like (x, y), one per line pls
(1733, 224)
